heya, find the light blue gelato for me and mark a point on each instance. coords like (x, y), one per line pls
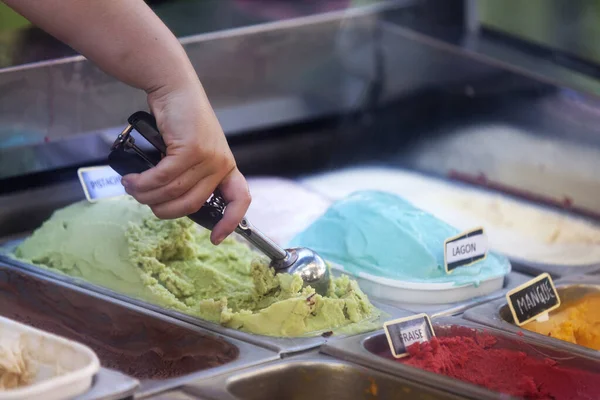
(381, 234)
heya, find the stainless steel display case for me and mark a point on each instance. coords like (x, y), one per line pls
(412, 84)
(497, 314)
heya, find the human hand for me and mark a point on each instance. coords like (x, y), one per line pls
(142, 52)
(198, 160)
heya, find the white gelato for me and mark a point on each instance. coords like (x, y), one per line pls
(282, 208)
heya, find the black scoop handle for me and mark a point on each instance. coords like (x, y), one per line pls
(125, 161)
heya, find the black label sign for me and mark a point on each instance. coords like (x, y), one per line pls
(403, 332)
(532, 299)
(465, 249)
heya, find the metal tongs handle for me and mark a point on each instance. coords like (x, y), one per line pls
(126, 158)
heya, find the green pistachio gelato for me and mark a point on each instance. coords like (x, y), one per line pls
(119, 244)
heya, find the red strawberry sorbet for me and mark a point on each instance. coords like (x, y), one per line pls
(476, 360)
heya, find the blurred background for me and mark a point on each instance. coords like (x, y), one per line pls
(502, 95)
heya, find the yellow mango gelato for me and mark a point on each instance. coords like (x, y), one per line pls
(121, 245)
(577, 322)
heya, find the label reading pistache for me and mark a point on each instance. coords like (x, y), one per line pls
(533, 299)
(465, 249)
(100, 183)
(403, 332)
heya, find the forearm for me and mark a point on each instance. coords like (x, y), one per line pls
(127, 40)
(123, 37)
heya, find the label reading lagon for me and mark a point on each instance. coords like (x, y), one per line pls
(100, 183)
(403, 332)
(465, 249)
(533, 299)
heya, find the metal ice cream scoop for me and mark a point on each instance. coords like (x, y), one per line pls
(126, 158)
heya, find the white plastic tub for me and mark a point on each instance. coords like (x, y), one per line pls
(420, 293)
(61, 368)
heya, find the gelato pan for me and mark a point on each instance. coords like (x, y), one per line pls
(120, 245)
(478, 359)
(476, 362)
(516, 228)
(577, 322)
(383, 235)
(309, 376)
(576, 293)
(382, 238)
(125, 340)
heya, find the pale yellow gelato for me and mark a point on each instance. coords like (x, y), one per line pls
(15, 368)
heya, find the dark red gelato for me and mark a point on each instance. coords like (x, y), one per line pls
(477, 360)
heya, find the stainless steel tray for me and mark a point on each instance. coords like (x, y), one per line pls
(496, 314)
(556, 271)
(512, 280)
(283, 346)
(110, 385)
(359, 349)
(309, 376)
(124, 336)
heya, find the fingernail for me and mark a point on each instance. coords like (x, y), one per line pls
(218, 240)
(125, 183)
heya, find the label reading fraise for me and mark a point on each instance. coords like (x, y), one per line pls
(404, 332)
(465, 249)
(533, 299)
(100, 183)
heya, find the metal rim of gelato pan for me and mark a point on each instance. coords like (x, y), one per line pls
(110, 384)
(556, 270)
(354, 349)
(511, 281)
(491, 314)
(281, 345)
(311, 375)
(246, 354)
(439, 308)
(422, 293)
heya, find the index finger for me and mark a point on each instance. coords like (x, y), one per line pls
(169, 168)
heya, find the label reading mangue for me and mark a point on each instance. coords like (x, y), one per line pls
(533, 299)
